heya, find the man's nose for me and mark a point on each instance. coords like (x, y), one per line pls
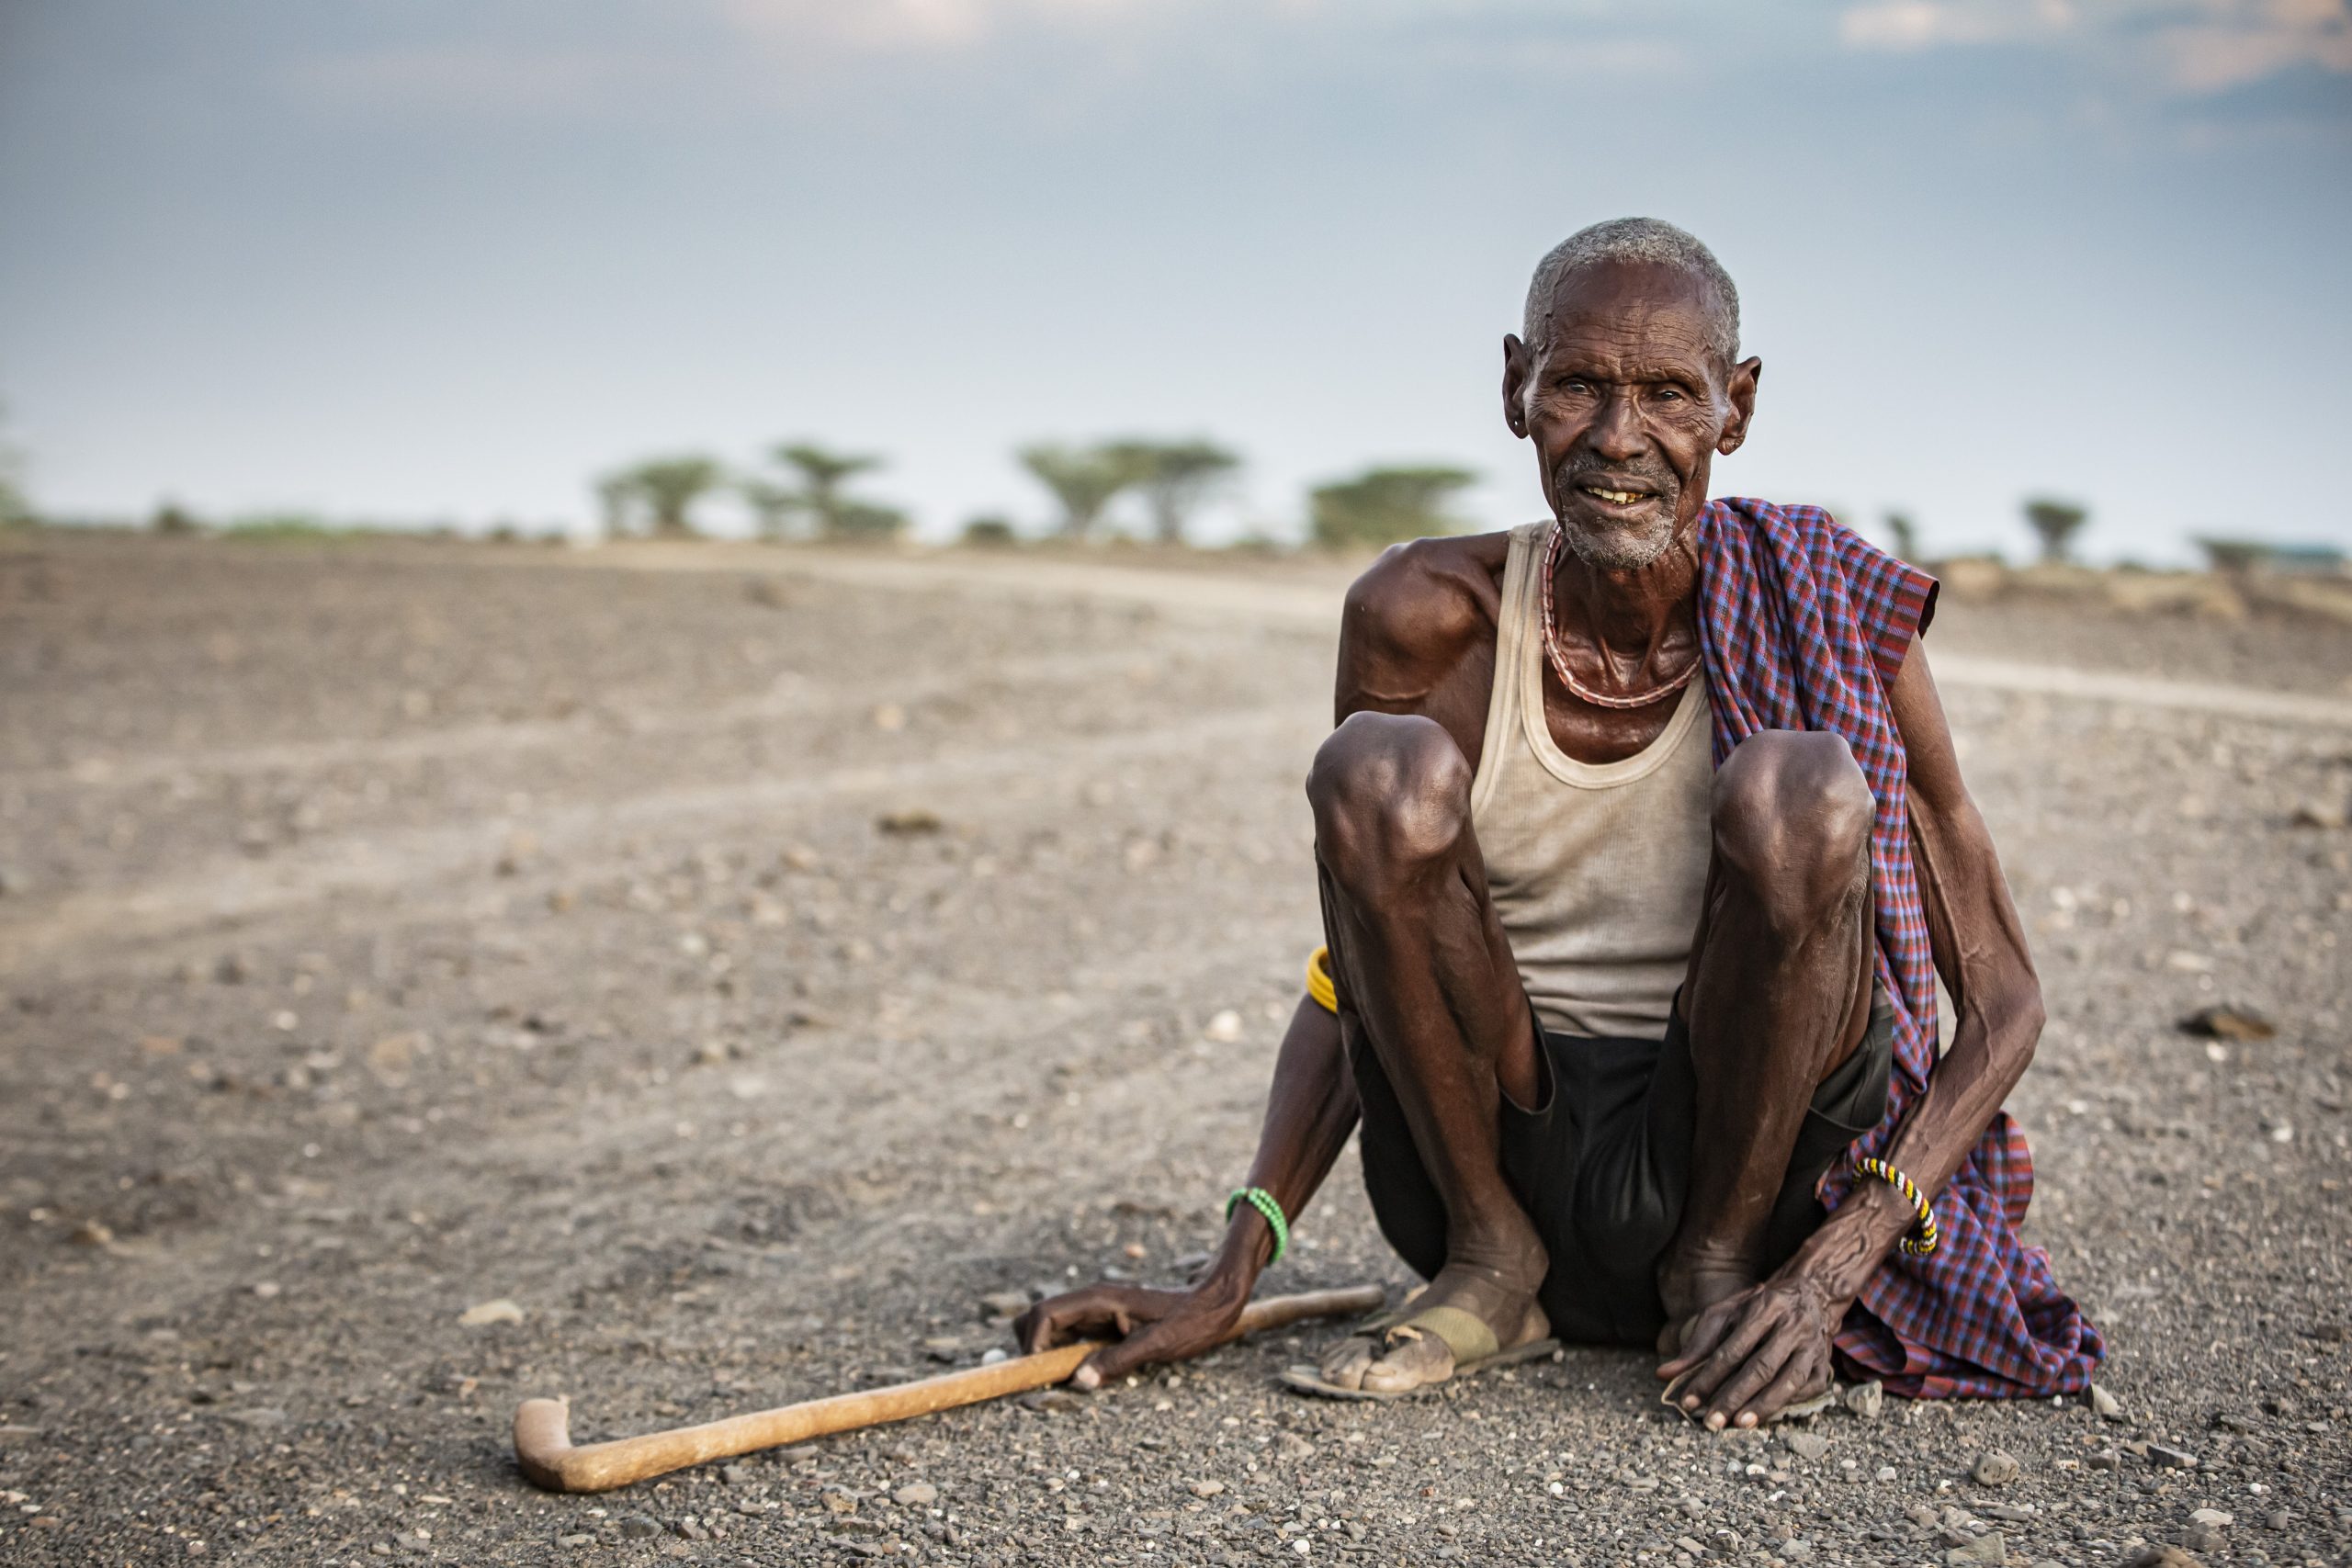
(1617, 429)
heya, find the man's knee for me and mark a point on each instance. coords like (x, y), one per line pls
(1391, 794)
(1791, 818)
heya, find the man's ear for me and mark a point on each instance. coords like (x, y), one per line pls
(1740, 388)
(1515, 359)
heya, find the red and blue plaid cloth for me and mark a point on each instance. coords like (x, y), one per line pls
(1802, 626)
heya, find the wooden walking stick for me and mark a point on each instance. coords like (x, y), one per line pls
(543, 1427)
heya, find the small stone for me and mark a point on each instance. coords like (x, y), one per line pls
(2216, 1518)
(1208, 1488)
(2106, 1459)
(1867, 1399)
(1052, 1401)
(2165, 1458)
(575, 1540)
(1993, 1468)
(1921, 1515)
(2229, 1020)
(1004, 1304)
(735, 1474)
(2201, 1537)
(1807, 1445)
(1886, 1472)
(268, 1289)
(90, 1233)
(916, 1494)
(2105, 1406)
(1225, 1028)
(482, 1314)
(2277, 1519)
(638, 1527)
(2161, 1557)
(261, 1419)
(1990, 1547)
(907, 823)
(993, 1354)
(2325, 814)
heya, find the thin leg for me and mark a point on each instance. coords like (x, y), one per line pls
(1778, 995)
(1428, 984)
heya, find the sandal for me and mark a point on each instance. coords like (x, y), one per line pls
(1469, 1336)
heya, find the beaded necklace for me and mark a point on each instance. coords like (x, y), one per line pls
(1559, 659)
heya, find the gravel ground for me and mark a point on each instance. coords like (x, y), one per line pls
(742, 975)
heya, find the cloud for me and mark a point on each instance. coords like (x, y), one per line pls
(899, 26)
(2197, 46)
(2230, 51)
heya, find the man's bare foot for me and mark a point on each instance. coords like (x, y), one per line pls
(1407, 1356)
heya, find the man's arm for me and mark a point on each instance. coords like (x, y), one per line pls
(1407, 623)
(1310, 1110)
(1981, 951)
(1743, 1354)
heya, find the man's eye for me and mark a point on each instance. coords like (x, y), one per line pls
(1668, 394)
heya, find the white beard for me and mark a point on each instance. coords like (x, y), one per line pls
(1618, 551)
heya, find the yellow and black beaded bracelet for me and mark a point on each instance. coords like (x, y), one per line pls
(1921, 1238)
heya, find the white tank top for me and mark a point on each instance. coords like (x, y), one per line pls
(1597, 870)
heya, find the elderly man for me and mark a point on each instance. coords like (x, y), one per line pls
(1642, 840)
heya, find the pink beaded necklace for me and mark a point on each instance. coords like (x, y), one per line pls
(1560, 662)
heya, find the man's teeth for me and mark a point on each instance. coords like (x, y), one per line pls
(1619, 497)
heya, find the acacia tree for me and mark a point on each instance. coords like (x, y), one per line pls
(1175, 477)
(2055, 522)
(1906, 534)
(1381, 506)
(667, 487)
(821, 475)
(14, 507)
(1085, 479)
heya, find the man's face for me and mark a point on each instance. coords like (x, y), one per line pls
(1627, 407)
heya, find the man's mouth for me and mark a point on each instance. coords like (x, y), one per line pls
(1616, 496)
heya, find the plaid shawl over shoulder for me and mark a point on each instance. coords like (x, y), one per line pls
(1802, 626)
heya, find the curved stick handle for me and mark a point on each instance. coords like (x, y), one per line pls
(543, 1427)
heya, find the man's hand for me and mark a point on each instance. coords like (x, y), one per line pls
(1751, 1356)
(1150, 1325)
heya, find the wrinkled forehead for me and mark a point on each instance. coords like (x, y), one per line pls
(1653, 312)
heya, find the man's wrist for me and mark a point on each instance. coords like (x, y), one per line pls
(1852, 1243)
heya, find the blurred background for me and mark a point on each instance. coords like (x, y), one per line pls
(439, 968)
(1146, 266)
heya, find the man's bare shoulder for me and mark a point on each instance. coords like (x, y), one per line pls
(1414, 613)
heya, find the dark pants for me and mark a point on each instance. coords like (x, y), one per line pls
(1602, 1164)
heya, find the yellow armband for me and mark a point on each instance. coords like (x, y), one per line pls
(1318, 980)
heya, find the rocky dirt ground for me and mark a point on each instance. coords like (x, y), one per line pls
(433, 978)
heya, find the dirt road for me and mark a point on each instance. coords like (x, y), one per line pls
(728, 977)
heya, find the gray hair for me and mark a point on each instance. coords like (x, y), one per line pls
(1638, 239)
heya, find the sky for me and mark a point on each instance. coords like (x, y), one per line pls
(450, 259)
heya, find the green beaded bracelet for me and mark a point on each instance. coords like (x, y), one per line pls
(1263, 1202)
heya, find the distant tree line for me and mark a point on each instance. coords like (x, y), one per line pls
(802, 493)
